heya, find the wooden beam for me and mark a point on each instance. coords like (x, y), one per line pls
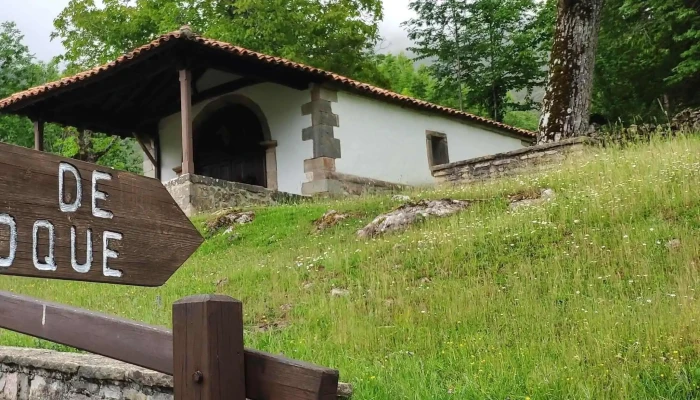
(156, 145)
(158, 90)
(250, 67)
(39, 135)
(145, 149)
(164, 47)
(120, 339)
(267, 376)
(186, 111)
(152, 86)
(228, 87)
(208, 348)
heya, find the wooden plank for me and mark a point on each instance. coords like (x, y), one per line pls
(120, 339)
(267, 377)
(224, 88)
(39, 135)
(138, 234)
(186, 111)
(274, 377)
(208, 348)
(145, 149)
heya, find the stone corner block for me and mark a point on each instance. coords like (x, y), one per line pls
(327, 146)
(315, 132)
(319, 92)
(320, 164)
(323, 187)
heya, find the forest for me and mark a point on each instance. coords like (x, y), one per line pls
(493, 58)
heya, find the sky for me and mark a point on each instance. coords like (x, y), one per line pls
(35, 19)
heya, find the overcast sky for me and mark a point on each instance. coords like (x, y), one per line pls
(35, 19)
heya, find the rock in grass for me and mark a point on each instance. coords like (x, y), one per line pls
(329, 219)
(228, 219)
(401, 197)
(336, 292)
(344, 390)
(545, 195)
(673, 244)
(411, 213)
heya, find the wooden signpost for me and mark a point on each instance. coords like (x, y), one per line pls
(66, 219)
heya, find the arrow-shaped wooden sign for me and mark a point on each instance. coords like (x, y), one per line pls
(67, 219)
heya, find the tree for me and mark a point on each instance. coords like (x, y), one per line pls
(338, 35)
(19, 70)
(647, 66)
(481, 49)
(568, 97)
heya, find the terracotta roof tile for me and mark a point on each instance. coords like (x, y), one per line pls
(342, 81)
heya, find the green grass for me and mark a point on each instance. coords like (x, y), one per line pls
(578, 299)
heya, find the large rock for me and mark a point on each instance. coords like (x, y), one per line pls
(520, 201)
(328, 220)
(411, 213)
(228, 219)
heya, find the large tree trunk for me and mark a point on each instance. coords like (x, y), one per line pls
(568, 97)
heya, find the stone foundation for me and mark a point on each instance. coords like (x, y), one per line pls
(197, 194)
(323, 180)
(32, 374)
(511, 163)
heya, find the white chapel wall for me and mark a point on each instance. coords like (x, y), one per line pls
(282, 108)
(388, 142)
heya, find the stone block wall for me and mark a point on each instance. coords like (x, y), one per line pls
(33, 374)
(197, 194)
(511, 163)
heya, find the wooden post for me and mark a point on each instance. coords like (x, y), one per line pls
(39, 135)
(186, 111)
(208, 355)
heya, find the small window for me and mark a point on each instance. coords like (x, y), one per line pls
(437, 148)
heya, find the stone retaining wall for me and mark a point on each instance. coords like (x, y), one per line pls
(32, 374)
(511, 163)
(197, 194)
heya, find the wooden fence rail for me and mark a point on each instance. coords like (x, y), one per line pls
(203, 318)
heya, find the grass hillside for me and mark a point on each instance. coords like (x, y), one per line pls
(592, 296)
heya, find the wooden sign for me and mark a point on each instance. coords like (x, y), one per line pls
(66, 219)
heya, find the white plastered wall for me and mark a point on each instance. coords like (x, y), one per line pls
(387, 142)
(282, 108)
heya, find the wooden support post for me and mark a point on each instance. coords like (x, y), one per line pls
(186, 111)
(208, 355)
(39, 135)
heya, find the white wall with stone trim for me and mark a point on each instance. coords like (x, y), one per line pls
(282, 108)
(387, 142)
(378, 140)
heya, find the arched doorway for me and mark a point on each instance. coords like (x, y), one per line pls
(227, 144)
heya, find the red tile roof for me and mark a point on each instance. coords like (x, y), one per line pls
(328, 77)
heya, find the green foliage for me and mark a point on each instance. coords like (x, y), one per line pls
(481, 49)
(648, 61)
(529, 120)
(338, 35)
(399, 73)
(19, 70)
(580, 299)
